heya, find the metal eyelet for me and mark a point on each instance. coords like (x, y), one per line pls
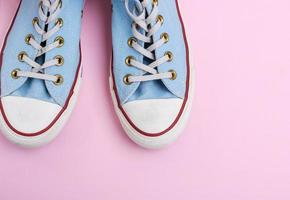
(173, 73)
(59, 22)
(60, 41)
(126, 79)
(21, 56)
(131, 41)
(60, 4)
(160, 19)
(155, 2)
(28, 38)
(14, 73)
(128, 60)
(35, 21)
(60, 60)
(169, 55)
(165, 37)
(59, 80)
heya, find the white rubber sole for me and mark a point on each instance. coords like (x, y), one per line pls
(170, 136)
(45, 138)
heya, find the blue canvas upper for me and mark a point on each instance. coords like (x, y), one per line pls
(122, 31)
(71, 13)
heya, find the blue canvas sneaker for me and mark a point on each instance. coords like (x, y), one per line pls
(150, 76)
(40, 70)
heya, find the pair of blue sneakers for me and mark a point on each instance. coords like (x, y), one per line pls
(150, 78)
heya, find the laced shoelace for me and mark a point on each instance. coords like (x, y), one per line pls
(54, 9)
(149, 24)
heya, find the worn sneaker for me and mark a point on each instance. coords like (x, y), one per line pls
(40, 70)
(150, 76)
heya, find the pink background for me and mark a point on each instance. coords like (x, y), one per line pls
(237, 143)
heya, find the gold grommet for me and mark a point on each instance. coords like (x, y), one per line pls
(60, 4)
(165, 37)
(21, 56)
(160, 19)
(128, 60)
(173, 73)
(155, 2)
(59, 22)
(131, 41)
(14, 73)
(35, 21)
(28, 38)
(126, 79)
(60, 41)
(169, 55)
(60, 60)
(59, 80)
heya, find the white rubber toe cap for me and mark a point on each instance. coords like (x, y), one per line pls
(153, 116)
(28, 115)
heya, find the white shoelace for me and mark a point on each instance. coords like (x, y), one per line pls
(37, 69)
(149, 23)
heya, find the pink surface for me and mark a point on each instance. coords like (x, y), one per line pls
(236, 146)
